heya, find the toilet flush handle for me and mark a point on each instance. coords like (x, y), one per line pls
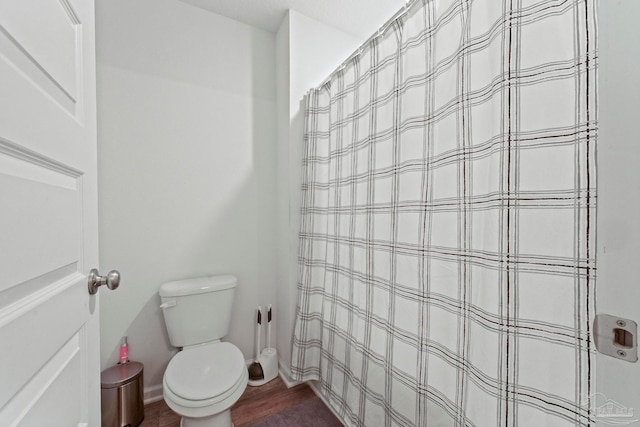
(168, 304)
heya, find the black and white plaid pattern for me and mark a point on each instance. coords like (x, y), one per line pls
(447, 241)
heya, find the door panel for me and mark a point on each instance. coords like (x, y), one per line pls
(49, 216)
(47, 75)
(58, 379)
(48, 330)
(49, 368)
(45, 33)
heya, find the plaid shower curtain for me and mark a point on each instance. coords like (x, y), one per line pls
(448, 220)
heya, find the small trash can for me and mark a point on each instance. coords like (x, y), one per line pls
(122, 395)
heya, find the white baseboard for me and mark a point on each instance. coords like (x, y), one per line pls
(152, 394)
(285, 374)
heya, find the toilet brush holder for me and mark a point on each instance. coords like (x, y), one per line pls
(269, 362)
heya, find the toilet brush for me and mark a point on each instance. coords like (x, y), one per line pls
(269, 355)
(269, 326)
(255, 369)
(267, 361)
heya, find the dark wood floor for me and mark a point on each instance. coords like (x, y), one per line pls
(257, 403)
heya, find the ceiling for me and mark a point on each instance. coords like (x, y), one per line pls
(357, 17)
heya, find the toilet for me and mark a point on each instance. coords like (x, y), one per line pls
(207, 376)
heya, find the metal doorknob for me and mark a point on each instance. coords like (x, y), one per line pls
(112, 280)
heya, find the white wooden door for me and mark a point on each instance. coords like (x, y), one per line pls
(49, 325)
(618, 279)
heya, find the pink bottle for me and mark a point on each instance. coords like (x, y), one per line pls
(124, 351)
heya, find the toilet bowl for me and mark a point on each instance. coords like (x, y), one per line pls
(202, 383)
(205, 378)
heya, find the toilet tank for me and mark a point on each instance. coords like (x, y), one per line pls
(197, 310)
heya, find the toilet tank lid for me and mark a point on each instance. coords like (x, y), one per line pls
(198, 285)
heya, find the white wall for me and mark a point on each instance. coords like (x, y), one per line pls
(285, 288)
(618, 187)
(187, 166)
(307, 51)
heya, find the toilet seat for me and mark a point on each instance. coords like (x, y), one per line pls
(204, 380)
(206, 371)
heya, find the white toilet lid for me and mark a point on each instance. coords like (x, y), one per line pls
(206, 371)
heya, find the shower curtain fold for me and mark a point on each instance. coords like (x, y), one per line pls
(447, 257)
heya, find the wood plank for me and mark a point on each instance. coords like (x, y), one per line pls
(261, 402)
